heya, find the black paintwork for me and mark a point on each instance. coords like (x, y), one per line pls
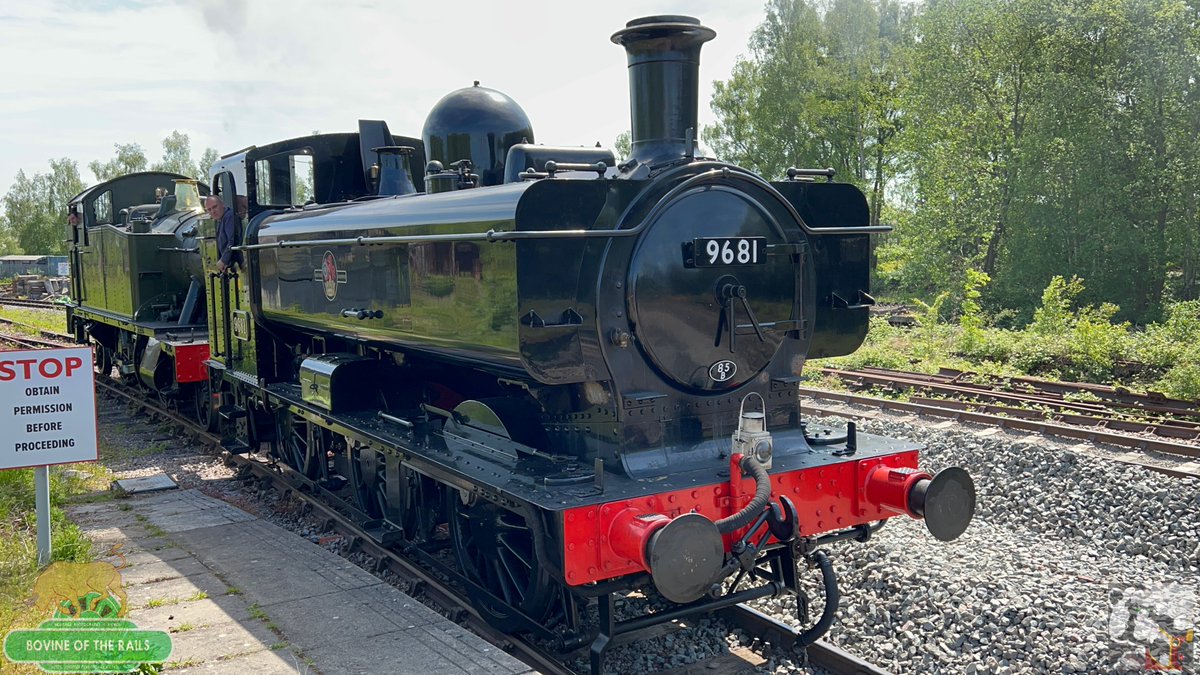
(467, 457)
(547, 311)
(540, 341)
(478, 124)
(664, 76)
(525, 157)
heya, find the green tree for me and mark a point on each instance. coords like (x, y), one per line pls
(623, 146)
(177, 155)
(976, 76)
(129, 158)
(8, 238)
(36, 208)
(821, 89)
(1048, 137)
(209, 158)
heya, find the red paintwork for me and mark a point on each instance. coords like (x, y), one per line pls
(631, 531)
(889, 487)
(827, 498)
(189, 362)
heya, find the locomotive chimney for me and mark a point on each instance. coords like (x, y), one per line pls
(664, 75)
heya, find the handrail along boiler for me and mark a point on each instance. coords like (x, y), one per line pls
(589, 371)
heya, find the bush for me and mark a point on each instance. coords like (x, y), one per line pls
(971, 318)
(1038, 355)
(1163, 345)
(1182, 381)
(995, 345)
(1054, 316)
(1096, 343)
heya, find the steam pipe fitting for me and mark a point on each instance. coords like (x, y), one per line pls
(762, 497)
(832, 599)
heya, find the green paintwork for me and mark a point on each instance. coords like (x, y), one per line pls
(126, 274)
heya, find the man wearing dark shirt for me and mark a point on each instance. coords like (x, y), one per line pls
(226, 232)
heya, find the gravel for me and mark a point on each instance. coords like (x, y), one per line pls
(1063, 550)
(1063, 547)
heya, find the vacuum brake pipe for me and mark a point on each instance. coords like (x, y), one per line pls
(762, 497)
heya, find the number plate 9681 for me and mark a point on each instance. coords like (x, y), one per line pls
(727, 251)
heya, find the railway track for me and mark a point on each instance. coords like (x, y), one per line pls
(1082, 403)
(955, 412)
(267, 475)
(1095, 413)
(765, 628)
(20, 302)
(442, 592)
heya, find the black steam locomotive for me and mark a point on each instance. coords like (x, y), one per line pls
(586, 370)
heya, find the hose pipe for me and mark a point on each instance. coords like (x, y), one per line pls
(832, 598)
(762, 497)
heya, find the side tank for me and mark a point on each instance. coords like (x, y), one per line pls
(457, 298)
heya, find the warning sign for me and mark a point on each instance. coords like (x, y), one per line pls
(47, 407)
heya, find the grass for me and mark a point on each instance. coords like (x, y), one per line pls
(29, 321)
(151, 528)
(163, 602)
(1081, 345)
(257, 612)
(18, 533)
(182, 628)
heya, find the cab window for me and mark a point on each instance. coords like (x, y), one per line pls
(102, 209)
(285, 179)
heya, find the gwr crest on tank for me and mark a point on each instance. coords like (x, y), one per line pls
(329, 276)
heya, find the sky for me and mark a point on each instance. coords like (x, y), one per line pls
(77, 76)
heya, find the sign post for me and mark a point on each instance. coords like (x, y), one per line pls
(41, 486)
(47, 416)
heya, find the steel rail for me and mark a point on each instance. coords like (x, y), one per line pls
(822, 654)
(778, 634)
(431, 586)
(1044, 428)
(24, 302)
(1172, 428)
(1108, 396)
(1168, 429)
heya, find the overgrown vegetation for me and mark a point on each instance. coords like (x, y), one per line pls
(18, 533)
(28, 321)
(1065, 340)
